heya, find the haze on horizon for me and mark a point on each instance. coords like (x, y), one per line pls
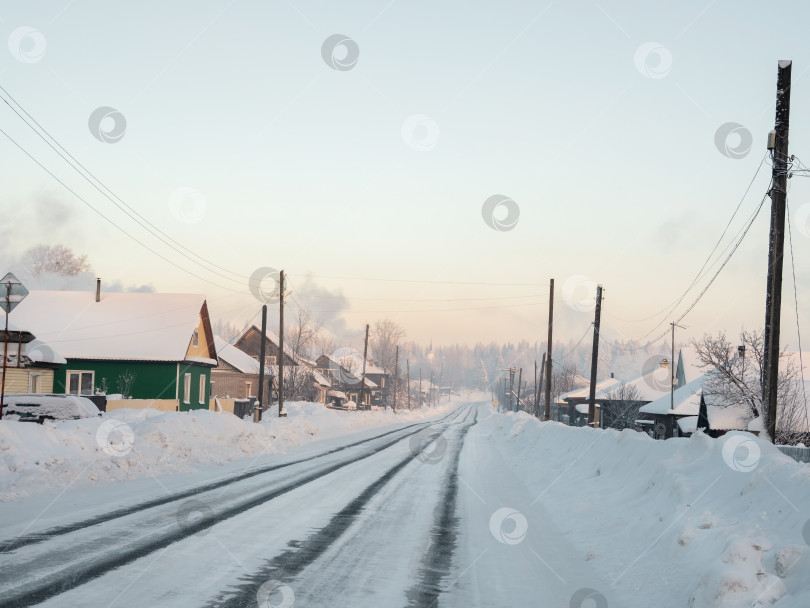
(623, 137)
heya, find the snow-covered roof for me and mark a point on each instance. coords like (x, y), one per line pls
(688, 424)
(320, 378)
(602, 387)
(123, 325)
(583, 408)
(236, 358)
(728, 418)
(40, 352)
(338, 394)
(686, 400)
(273, 337)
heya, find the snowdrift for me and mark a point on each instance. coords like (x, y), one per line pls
(130, 443)
(693, 522)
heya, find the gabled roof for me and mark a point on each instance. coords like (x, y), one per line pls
(122, 326)
(270, 335)
(686, 399)
(236, 358)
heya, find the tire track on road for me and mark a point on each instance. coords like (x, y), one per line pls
(29, 539)
(81, 571)
(293, 561)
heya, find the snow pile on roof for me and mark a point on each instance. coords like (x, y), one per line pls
(602, 387)
(686, 399)
(696, 522)
(45, 458)
(124, 326)
(237, 358)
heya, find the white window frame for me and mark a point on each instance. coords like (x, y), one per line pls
(80, 372)
(202, 389)
(248, 388)
(187, 388)
(37, 375)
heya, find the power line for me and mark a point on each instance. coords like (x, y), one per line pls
(671, 307)
(388, 280)
(796, 305)
(134, 238)
(123, 206)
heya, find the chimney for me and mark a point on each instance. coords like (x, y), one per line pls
(98, 290)
(611, 374)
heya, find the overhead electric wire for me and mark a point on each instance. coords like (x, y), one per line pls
(798, 326)
(739, 241)
(134, 238)
(671, 307)
(123, 206)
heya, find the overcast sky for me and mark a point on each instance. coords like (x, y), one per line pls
(252, 136)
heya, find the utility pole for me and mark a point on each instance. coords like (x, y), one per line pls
(281, 412)
(592, 421)
(396, 374)
(534, 412)
(257, 411)
(430, 396)
(673, 368)
(520, 380)
(420, 388)
(778, 144)
(408, 379)
(538, 387)
(363, 377)
(548, 356)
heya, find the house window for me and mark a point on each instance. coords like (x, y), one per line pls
(35, 382)
(187, 388)
(382, 382)
(195, 339)
(80, 382)
(202, 388)
(248, 389)
(268, 360)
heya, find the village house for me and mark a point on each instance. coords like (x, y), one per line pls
(237, 373)
(148, 349)
(31, 363)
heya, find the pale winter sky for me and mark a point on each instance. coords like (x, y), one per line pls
(251, 136)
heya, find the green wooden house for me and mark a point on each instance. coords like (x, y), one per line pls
(141, 349)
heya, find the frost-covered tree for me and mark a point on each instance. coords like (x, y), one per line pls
(56, 259)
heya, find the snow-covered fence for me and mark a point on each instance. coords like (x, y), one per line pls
(799, 454)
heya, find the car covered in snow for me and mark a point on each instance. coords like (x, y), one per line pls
(37, 407)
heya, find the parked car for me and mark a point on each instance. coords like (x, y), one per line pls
(37, 407)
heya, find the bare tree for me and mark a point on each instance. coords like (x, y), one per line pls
(385, 337)
(737, 380)
(300, 338)
(57, 259)
(226, 330)
(622, 411)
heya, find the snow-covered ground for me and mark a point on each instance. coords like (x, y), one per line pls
(455, 506)
(128, 444)
(693, 522)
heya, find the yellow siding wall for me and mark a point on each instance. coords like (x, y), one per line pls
(201, 350)
(17, 380)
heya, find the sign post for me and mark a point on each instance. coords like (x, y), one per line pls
(12, 292)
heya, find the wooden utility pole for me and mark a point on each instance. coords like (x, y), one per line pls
(537, 388)
(363, 377)
(257, 411)
(420, 388)
(548, 355)
(408, 380)
(778, 143)
(396, 374)
(430, 397)
(281, 412)
(520, 380)
(592, 419)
